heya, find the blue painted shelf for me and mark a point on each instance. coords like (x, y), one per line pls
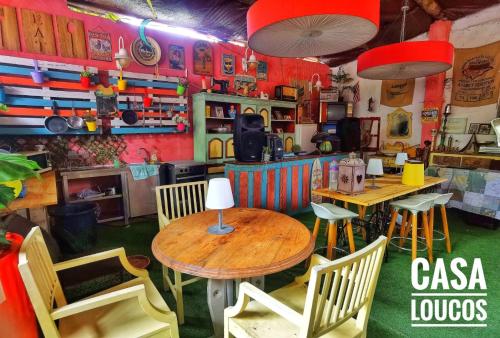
(131, 130)
(44, 131)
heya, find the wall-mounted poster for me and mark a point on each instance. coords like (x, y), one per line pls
(430, 114)
(456, 125)
(202, 58)
(176, 57)
(228, 64)
(262, 71)
(100, 46)
(476, 76)
(397, 93)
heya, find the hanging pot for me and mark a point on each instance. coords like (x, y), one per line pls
(180, 89)
(128, 115)
(181, 127)
(91, 125)
(74, 121)
(147, 101)
(37, 75)
(85, 82)
(122, 84)
(56, 123)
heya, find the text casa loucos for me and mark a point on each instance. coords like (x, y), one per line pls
(448, 296)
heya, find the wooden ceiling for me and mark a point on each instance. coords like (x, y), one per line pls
(226, 19)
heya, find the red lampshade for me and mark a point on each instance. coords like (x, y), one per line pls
(301, 28)
(406, 60)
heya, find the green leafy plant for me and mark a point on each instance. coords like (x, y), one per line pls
(296, 148)
(183, 82)
(88, 116)
(179, 119)
(3, 107)
(86, 73)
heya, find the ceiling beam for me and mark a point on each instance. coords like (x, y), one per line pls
(431, 7)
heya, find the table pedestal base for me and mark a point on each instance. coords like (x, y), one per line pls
(222, 293)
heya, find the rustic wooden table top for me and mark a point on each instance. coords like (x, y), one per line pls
(391, 187)
(263, 242)
(40, 193)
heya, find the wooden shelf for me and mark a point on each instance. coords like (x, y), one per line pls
(96, 198)
(282, 120)
(219, 118)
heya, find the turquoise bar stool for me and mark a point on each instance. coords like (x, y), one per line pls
(414, 206)
(441, 200)
(333, 214)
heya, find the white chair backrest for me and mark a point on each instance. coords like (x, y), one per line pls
(40, 279)
(341, 289)
(174, 201)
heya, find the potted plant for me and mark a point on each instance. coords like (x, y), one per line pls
(181, 122)
(182, 86)
(14, 169)
(90, 121)
(85, 78)
(266, 154)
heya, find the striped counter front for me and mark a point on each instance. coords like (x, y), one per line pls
(283, 186)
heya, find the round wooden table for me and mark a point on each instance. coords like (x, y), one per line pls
(263, 242)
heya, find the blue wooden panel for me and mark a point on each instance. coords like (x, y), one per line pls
(26, 101)
(236, 193)
(144, 83)
(52, 74)
(44, 131)
(289, 187)
(277, 183)
(299, 189)
(140, 130)
(263, 189)
(250, 189)
(123, 106)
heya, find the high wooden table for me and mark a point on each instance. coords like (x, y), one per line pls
(390, 188)
(263, 242)
(40, 193)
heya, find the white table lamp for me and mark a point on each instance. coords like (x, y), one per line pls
(401, 158)
(375, 168)
(219, 197)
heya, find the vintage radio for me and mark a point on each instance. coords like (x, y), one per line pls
(40, 157)
(285, 93)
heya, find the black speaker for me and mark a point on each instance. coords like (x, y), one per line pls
(249, 137)
(349, 131)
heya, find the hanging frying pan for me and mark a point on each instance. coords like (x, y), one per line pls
(128, 115)
(74, 121)
(56, 123)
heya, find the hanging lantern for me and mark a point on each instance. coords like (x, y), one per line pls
(122, 58)
(301, 28)
(405, 60)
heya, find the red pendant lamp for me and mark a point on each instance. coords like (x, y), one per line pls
(301, 28)
(405, 60)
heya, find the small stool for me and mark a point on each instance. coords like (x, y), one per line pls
(333, 214)
(414, 206)
(441, 200)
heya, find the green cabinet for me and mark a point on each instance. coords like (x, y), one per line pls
(213, 135)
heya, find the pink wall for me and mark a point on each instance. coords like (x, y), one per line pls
(168, 147)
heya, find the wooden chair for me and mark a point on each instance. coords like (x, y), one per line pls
(131, 309)
(321, 303)
(175, 201)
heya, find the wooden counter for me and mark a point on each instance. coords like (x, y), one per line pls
(39, 193)
(282, 185)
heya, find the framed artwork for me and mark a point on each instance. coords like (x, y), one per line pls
(262, 70)
(484, 129)
(228, 64)
(430, 114)
(399, 124)
(279, 130)
(456, 125)
(473, 128)
(219, 112)
(202, 58)
(100, 46)
(176, 57)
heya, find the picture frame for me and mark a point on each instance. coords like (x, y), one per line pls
(262, 71)
(279, 130)
(473, 128)
(228, 64)
(456, 125)
(484, 129)
(277, 115)
(202, 58)
(219, 111)
(100, 46)
(176, 57)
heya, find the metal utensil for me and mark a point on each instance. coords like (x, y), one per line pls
(74, 121)
(56, 123)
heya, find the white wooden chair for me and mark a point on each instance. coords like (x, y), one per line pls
(131, 309)
(175, 201)
(321, 303)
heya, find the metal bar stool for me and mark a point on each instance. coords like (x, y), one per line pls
(413, 206)
(333, 214)
(441, 200)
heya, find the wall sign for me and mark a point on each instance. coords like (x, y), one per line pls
(430, 114)
(228, 64)
(262, 71)
(476, 76)
(397, 93)
(202, 58)
(176, 57)
(456, 125)
(100, 46)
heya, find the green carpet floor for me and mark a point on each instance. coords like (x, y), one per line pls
(390, 315)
